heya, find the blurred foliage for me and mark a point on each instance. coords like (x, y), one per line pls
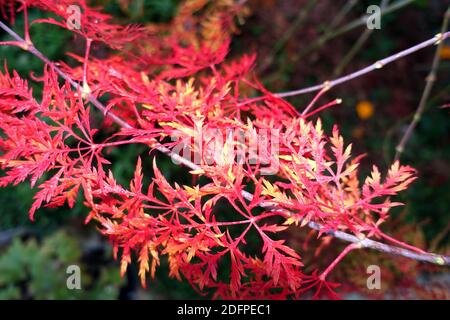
(37, 269)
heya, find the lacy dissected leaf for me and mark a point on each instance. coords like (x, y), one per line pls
(171, 88)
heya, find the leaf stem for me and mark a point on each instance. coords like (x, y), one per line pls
(341, 256)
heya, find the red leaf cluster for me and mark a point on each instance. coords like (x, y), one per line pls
(173, 86)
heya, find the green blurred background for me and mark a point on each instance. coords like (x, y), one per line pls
(285, 35)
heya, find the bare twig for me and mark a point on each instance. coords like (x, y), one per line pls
(374, 66)
(377, 65)
(429, 82)
(366, 243)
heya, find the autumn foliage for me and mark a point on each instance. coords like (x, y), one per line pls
(169, 84)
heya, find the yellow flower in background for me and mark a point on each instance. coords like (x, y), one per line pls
(444, 53)
(365, 110)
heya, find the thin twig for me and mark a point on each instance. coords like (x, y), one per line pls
(377, 65)
(365, 243)
(374, 66)
(429, 82)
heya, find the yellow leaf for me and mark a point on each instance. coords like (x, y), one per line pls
(285, 157)
(291, 220)
(179, 127)
(197, 171)
(148, 106)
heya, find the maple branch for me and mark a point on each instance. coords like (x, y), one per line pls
(379, 246)
(366, 242)
(347, 250)
(430, 79)
(363, 243)
(374, 66)
(27, 46)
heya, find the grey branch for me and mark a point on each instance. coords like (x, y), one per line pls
(374, 66)
(430, 79)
